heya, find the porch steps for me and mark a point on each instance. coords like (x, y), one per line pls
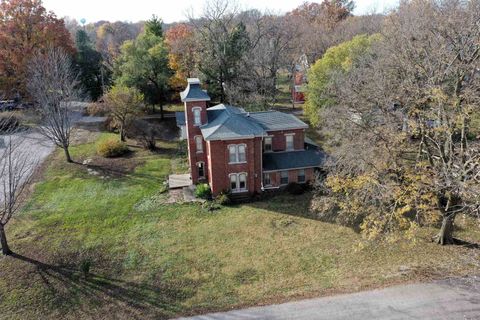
(240, 197)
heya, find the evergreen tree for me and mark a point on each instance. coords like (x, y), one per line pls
(90, 66)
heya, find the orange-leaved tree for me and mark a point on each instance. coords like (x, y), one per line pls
(26, 27)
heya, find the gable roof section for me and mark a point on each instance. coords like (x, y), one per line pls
(194, 92)
(275, 120)
(278, 161)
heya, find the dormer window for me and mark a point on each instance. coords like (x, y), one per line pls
(197, 116)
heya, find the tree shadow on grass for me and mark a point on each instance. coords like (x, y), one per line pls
(301, 206)
(68, 286)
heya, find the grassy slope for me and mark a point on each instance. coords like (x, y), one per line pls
(151, 260)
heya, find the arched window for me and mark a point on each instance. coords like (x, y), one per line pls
(238, 182)
(197, 116)
(199, 144)
(201, 169)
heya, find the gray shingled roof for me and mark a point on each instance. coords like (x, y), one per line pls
(194, 92)
(278, 161)
(228, 122)
(275, 120)
(180, 118)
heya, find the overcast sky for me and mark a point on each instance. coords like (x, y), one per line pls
(175, 10)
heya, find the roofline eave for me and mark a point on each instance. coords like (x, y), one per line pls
(195, 99)
(293, 168)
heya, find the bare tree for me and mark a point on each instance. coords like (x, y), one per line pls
(16, 170)
(54, 86)
(406, 156)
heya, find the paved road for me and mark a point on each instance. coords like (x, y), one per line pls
(446, 299)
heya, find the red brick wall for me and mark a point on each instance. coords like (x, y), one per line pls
(279, 142)
(220, 168)
(292, 176)
(193, 131)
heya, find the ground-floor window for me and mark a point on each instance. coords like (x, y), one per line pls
(267, 181)
(238, 182)
(284, 177)
(301, 176)
(201, 169)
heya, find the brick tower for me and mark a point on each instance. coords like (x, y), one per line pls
(195, 101)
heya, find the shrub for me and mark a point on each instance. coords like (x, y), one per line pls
(97, 109)
(210, 206)
(111, 148)
(223, 199)
(85, 266)
(295, 188)
(145, 133)
(203, 191)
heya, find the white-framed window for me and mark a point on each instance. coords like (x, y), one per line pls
(201, 169)
(242, 154)
(238, 182)
(232, 153)
(289, 142)
(197, 116)
(267, 144)
(267, 180)
(199, 144)
(284, 177)
(237, 153)
(233, 182)
(301, 176)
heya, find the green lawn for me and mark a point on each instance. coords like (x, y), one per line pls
(150, 260)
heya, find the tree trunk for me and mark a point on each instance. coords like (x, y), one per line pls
(445, 236)
(3, 240)
(161, 111)
(67, 154)
(122, 135)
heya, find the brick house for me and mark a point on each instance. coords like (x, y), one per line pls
(244, 152)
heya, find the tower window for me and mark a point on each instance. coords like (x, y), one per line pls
(197, 116)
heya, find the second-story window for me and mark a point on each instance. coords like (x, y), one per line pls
(289, 139)
(242, 156)
(237, 153)
(197, 116)
(267, 144)
(199, 144)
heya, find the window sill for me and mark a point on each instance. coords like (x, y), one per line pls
(238, 162)
(239, 191)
